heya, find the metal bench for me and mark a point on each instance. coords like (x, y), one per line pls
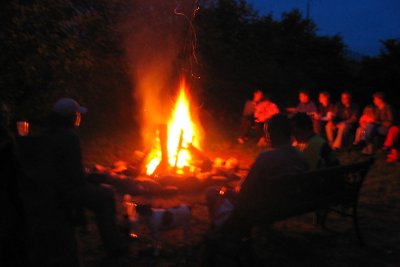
(322, 191)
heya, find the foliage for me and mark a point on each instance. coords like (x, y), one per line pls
(241, 51)
(382, 73)
(74, 48)
(61, 48)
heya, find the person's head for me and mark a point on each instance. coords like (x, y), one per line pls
(304, 96)
(379, 99)
(279, 130)
(5, 115)
(345, 98)
(258, 95)
(369, 111)
(323, 98)
(302, 126)
(67, 112)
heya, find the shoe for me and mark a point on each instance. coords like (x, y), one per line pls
(262, 142)
(392, 156)
(368, 150)
(240, 140)
(360, 145)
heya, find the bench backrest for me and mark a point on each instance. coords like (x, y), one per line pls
(295, 194)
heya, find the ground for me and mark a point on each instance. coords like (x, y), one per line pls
(294, 242)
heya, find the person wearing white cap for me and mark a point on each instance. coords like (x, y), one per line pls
(67, 173)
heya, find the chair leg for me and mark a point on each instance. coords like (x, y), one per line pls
(323, 218)
(320, 218)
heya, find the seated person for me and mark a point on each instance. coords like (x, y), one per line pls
(392, 144)
(13, 234)
(379, 127)
(345, 118)
(65, 169)
(315, 148)
(263, 112)
(305, 104)
(247, 119)
(367, 117)
(324, 113)
(282, 159)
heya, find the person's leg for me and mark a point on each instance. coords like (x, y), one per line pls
(330, 130)
(394, 151)
(261, 133)
(380, 136)
(259, 129)
(317, 126)
(370, 132)
(359, 135)
(347, 136)
(392, 137)
(337, 143)
(101, 201)
(245, 125)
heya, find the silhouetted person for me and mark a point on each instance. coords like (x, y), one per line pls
(66, 169)
(391, 146)
(282, 159)
(305, 105)
(344, 122)
(383, 121)
(13, 246)
(324, 113)
(368, 116)
(247, 120)
(315, 148)
(264, 111)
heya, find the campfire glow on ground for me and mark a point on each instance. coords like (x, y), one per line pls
(182, 132)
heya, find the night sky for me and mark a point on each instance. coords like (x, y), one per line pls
(361, 23)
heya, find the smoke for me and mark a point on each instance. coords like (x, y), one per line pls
(158, 41)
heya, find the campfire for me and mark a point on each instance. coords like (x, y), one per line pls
(176, 147)
(175, 161)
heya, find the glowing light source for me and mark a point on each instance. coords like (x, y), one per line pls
(182, 132)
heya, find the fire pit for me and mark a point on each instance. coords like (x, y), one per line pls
(176, 147)
(175, 161)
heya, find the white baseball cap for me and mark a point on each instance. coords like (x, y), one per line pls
(68, 106)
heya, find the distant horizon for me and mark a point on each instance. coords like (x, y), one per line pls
(361, 24)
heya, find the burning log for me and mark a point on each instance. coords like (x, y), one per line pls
(206, 163)
(179, 148)
(163, 135)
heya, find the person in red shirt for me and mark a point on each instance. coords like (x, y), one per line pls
(263, 112)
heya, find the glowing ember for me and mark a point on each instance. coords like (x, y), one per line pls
(182, 132)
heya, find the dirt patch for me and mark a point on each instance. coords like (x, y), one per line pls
(294, 242)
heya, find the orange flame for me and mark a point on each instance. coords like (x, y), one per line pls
(182, 132)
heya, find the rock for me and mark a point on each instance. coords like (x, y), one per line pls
(148, 185)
